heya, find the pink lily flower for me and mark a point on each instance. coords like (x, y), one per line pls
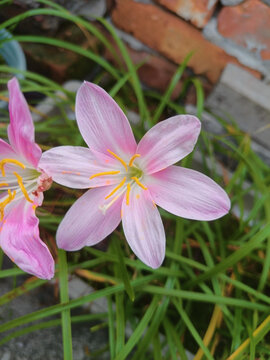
(22, 184)
(127, 180)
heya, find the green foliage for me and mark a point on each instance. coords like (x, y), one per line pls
(211, 294)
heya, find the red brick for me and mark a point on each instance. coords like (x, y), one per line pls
(197, 12)
(154, 71)
(57, 63)
(171, 36)
(248, 25)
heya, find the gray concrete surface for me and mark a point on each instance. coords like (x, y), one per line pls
(46, 344)
(241, 97)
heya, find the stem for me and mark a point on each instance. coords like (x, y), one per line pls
(257, 336)
(64, 298)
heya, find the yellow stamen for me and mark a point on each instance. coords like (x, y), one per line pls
(133, 158)
(117, 188)
(24, 191)
(4, 203)
(9, 161)
(104, 173)
(139, 183)
(4, 184)
(127, 194)
(118, 158)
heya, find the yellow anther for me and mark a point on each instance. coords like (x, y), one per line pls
(24, 191)
(118, 158)
(104, 173)
(11, 195)
(127, 193)
(139, 183)
(4, 203)
(133, 158)
(9, 161)
(4, 184)
(117, 188)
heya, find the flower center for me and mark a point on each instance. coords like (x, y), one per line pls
(134, 171)
(19, 180)
(133, 176)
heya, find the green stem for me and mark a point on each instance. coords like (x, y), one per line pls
(257, 336)
(64, 298)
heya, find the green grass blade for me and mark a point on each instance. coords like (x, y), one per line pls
(111, 323)
(64, 298)
(50, 323)
(56, 309)
(122, 269)
(233, 258)
(258, 335)
(144, 113)
(138, 332)
(174, 81)
(27, 286)
(192, 330)
(68, 46)
(201, 297)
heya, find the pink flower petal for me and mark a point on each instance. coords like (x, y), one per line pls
(6, 151)
(19, 239)
(188, 193)
(102, 123)
(143, 227)
(85, 223)
(73, 166)
(168, 142)
(21, 131)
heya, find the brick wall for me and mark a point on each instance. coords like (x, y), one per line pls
(217, 32)
(229, 39)
(164, 32)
